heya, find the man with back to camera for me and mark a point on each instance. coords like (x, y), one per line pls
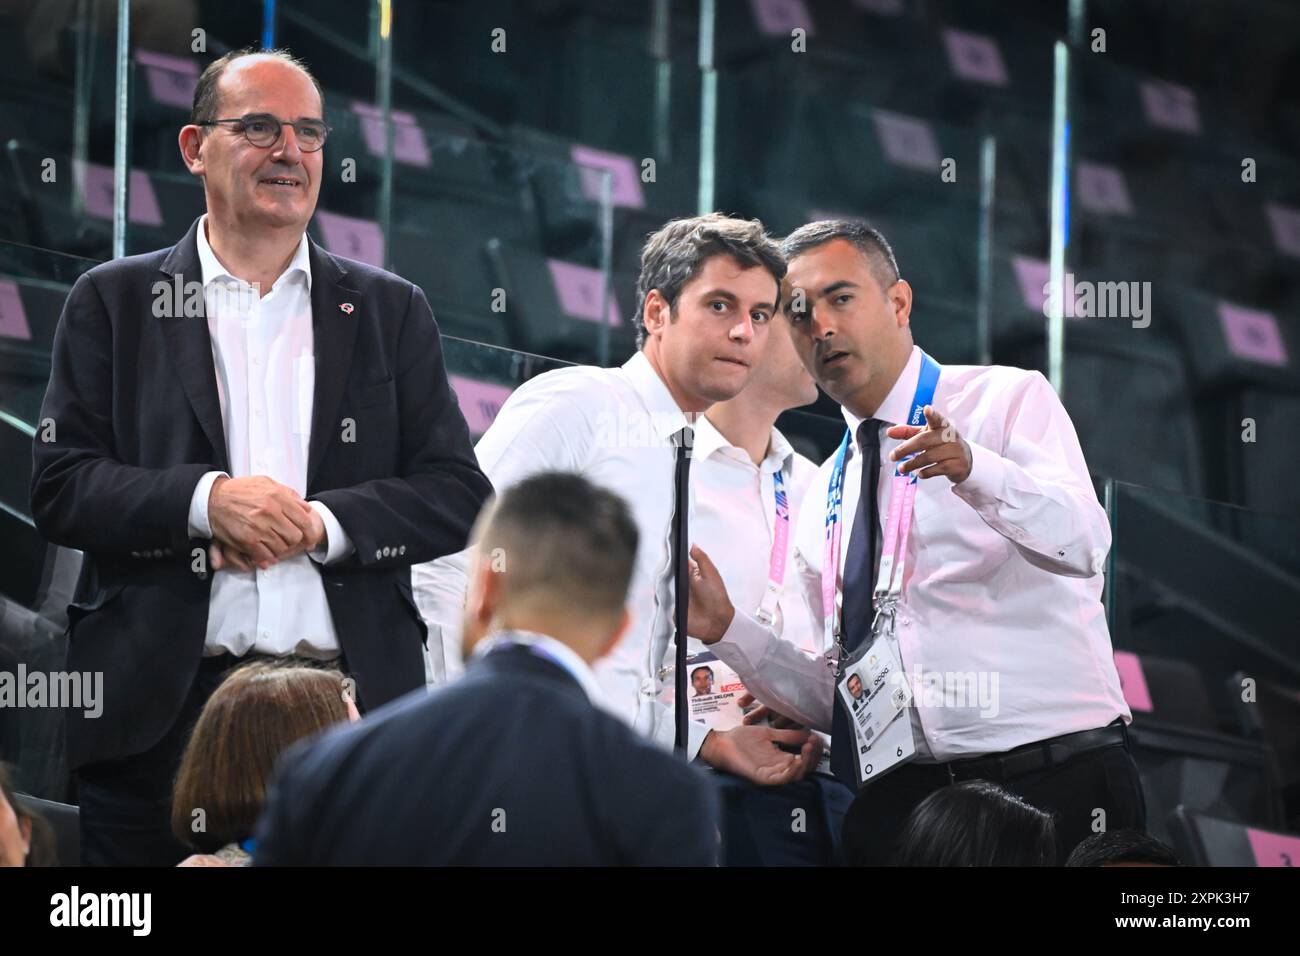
(254, 480)
(999, 596)
(707, 291)
(516, 764)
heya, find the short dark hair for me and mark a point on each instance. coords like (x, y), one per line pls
(206, 97)
(675, 254)
(567, 543)
(870, 241)
(975, 823)
(706, 669)
(1122, 846)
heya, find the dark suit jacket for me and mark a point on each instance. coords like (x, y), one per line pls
(510, 766)
(133, 402)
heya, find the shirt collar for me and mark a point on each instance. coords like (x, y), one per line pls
(211, 267)
(709, 440)
(898, 403)
(666, 418)
(555, 651)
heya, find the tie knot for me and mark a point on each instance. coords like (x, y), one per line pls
(869, 434)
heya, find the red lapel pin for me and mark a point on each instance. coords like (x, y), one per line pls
(346, 307)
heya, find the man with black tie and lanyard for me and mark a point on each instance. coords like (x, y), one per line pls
(708, 289)
(971, 614)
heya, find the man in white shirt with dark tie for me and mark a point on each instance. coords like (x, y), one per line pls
(707, 291)
(1001, 629)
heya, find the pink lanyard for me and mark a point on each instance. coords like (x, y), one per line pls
(897, 526)
(780, 545)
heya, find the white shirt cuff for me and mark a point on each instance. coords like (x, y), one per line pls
(198, 520)
(986, 483)
(743, 644)
(337, 545)
(695, 734)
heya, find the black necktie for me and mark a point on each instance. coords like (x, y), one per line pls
(681, 544)
(859, 582)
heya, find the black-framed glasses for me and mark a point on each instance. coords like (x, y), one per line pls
(263, 130)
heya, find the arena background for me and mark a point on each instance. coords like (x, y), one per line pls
(510, 157)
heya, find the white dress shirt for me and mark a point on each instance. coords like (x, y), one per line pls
(734, 521)
(262, 349)
(1001, 628)
(615, 427)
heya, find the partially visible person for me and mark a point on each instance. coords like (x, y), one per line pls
(708, 289)
(749, 487)
(976, 823)
(25, 838)
(998, 628)
(258, 711)
(253, 480)
(1122, 848)
(515, 764)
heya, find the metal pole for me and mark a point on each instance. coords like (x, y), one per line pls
(268, 24)
(984, 281)
(384, 94)
(708, 107)
(121, 128)
(1060, 213)
(606, 263)
(659, 48)
(1078, 22)
(81, 104)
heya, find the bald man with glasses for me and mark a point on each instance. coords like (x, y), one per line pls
(252, 478)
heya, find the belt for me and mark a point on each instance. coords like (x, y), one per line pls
(1040, 755)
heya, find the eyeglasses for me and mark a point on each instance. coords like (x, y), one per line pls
(263, 130)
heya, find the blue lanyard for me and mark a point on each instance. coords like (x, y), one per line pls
(923, 396)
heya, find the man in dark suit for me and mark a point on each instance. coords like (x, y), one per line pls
(251, 440)
(516, 764)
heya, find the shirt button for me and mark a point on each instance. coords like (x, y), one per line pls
(647, 687)
(379, 553)
(266, 635)
(402, 550)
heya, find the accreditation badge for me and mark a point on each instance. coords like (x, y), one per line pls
(872, 689)
(714, 691)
